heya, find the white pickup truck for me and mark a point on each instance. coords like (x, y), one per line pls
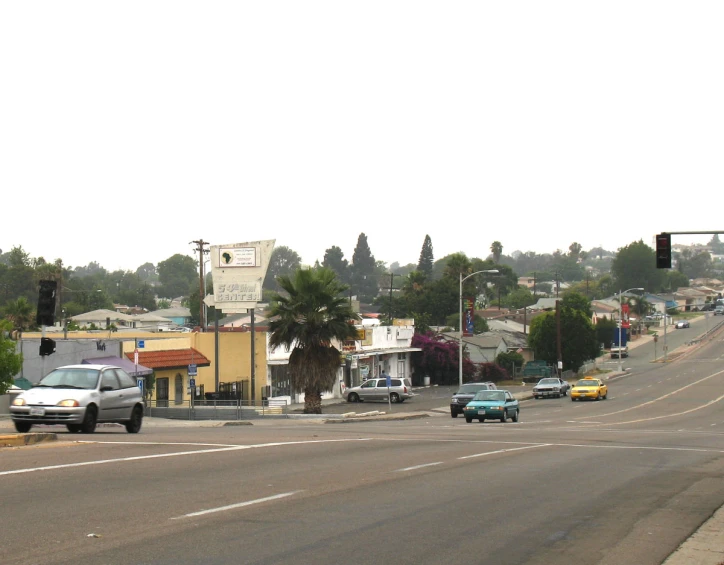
(617, 351)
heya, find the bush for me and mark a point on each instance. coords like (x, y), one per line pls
(490, 372)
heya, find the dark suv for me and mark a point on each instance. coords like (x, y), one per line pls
(465, 394)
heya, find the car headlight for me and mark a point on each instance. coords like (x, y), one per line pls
(69, 403)
(19, 402)
(454, 400)
(497, 407)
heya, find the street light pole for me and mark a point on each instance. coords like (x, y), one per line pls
(460, 321)
(620, 323)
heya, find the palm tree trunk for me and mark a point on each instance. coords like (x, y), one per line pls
(312, 401)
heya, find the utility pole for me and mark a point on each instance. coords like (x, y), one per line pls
(558, 336)
(200, 247)
(392, 278)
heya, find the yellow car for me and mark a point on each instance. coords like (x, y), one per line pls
(589, 388)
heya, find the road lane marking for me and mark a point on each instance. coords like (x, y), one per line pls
(504, 451)
(177, 454)
(667, 395)
(237, 505)
(418, 467)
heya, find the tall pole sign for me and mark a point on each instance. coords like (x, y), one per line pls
(238, 270)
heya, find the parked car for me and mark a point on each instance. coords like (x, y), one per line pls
(589, 388)
(682, 324)
(465, 394)
(376, 389)
(80, 396)
(719, 310)
(551, 387)
(492, 405)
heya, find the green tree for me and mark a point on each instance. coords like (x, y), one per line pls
(163, 304)
(308, 317)
(577, 301)
(605, 327)
(364, 271)
(178, 274)
(510, 361)
(496, 249)
(675, 279)
(575, 250)
(579, 342)
(334, 259)
(20, 313)
(635, 266)
(424, 264)
(10, 360)
(695, 265)
(283, 261)
(519, 298)
(147, 272)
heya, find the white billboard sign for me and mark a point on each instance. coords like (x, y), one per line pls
(238, 270)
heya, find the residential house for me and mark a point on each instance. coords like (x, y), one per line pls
(482, 348)
(179, 315)
(690, 299)
(102, 319)
(601, 309)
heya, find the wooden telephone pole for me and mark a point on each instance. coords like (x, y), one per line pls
(200, 247)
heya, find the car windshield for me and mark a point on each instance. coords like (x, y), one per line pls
(472, 388)
(548, 382)
(496, 395)
(71, 378)
(587, 382)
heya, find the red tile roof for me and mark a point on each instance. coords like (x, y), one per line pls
(170, 358)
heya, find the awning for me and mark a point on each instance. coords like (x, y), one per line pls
(125, 364)
(364, 353)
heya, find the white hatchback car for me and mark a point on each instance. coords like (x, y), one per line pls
(81, 396)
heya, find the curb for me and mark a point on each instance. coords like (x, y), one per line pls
(17, 440)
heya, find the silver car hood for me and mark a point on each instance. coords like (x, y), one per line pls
(51, 396)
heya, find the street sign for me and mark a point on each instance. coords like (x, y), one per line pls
(192, 371)
(192, 382)
(135, 356)
(389, 381)
(140, 384)
(141, 344)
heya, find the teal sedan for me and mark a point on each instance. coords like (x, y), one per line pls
(492, 405)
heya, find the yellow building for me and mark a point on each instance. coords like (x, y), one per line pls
(170, 357)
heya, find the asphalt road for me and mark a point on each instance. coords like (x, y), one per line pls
(623, 480)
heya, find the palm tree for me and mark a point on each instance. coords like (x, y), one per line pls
(496, 248)
(309, 315)
(20, 313)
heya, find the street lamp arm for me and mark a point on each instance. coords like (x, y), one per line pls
(492, 271)
(460, 320)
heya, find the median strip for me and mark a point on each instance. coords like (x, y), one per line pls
(17, 440)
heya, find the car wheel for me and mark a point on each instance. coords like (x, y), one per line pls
(504, 417)
(394, 397)
(598, 397)
(468, 420)
(565, 393)
(573, 399)
(516, 416)
(453, 414)
(73, 428)
(23, 427)
(536, 397)
(133, 426)
(605, 396)
(90, 420)
(353, 397)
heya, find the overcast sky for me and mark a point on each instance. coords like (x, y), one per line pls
(129, 129)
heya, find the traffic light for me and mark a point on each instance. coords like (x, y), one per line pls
(663, 251)
(46, 303)
(47, 346)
